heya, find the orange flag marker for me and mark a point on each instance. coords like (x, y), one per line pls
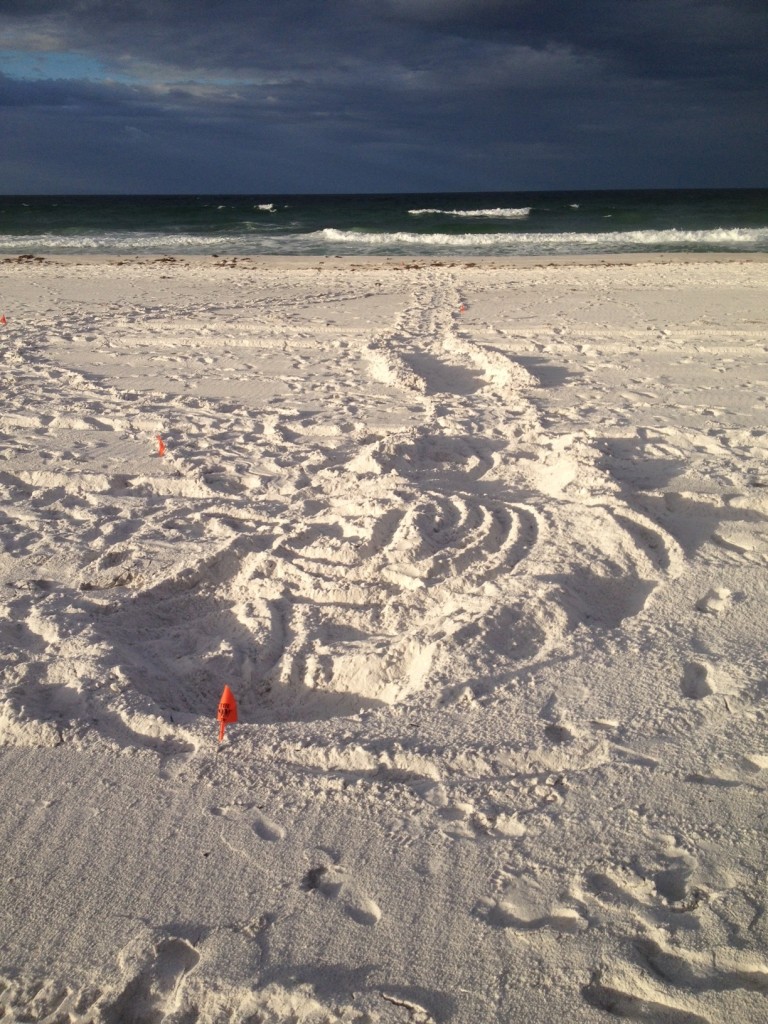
(462, 308)
(160, 445)
(227, 712)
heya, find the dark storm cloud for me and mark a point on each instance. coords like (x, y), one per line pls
(647, 36)
(453, 93)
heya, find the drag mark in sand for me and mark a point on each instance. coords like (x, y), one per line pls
(350, 597)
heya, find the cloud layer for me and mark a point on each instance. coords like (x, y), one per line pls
(378, 95)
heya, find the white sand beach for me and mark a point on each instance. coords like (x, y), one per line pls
(480, 547)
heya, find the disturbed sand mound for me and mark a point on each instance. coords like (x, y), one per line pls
(388, 556)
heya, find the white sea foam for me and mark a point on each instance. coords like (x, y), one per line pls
(250, 239)
(528, 243)
(253, 240)
(499, 212)
(138, 241)
(266, 207)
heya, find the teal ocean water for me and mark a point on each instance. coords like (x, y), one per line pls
(435, 224)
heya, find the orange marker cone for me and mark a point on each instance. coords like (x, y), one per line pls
(160, 445)
(227, 712)
(3, 320)
(462, 308)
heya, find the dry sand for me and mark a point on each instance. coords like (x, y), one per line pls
(480, 547)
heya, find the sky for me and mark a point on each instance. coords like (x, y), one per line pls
(287, 96)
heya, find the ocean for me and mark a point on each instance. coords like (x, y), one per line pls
(461, 224)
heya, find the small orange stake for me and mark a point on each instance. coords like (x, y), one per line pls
(462, 308)
(160, 445)
(227, 712)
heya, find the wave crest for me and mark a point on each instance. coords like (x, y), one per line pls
(527, 243)
(499, 212)
(249, 240)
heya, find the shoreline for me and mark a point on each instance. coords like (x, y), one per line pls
(303, 261)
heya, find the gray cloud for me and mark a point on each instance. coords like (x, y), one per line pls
(380, 94)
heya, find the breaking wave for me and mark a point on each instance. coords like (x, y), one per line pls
(498, 213)
(249, 241)
(565, 243)
(119, 242)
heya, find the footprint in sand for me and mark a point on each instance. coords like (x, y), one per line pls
(696, 682)
(363, 911)
(506, 914)
(627, 994)
(332, 882)
(156, 989)
(664, 892)
(661, 880)
(702, 679)
(636, 1000)
(262, 826)
(729, 970)
(715, 601)
(525, 907)
(266, 829)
